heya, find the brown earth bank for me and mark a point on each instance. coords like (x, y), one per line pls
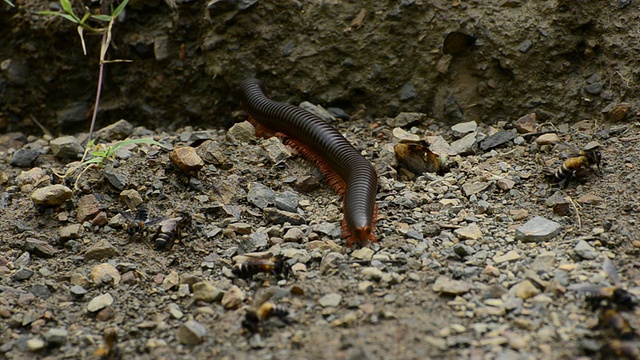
(487, 259)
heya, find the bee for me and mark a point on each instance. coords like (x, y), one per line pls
(109, 351)
(576, 162)
(138, 225)
(612, 322)
(248, 265)
(170, 230)
(263, 310)
(616, 349)
(611, 296)
(416, 157)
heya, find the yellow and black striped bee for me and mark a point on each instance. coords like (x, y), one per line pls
(138, 226)
(248, 265)
(577, 161)
(617, 349)
(615, 325)
(170, 231)
(609, 296)
(262, 310)
(109, 351)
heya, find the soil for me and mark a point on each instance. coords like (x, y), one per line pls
(566, 61)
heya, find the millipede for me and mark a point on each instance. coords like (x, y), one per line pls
(346, 170)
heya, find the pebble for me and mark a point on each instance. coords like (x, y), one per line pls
(116, 179)
(174, 310)
(330, 300)
(509, 256)
(400, 135)
(363, 254)
(40, 248)
(287, 201)
(466, 145)
(526, 290)
(101, 250)
(24, 157)
(105, 274)
(88, 208)
(26, 299)
(191, 333)
(206, 291)
(261, 195)
(545, 261)
(526, 124)
(233, 298)
(56, 336)
(100, 302)
(51, 195)
(448, 286)
(131, 198)
(317, 110)
(72, 231)
(538, 229)
(485, 207)
(585, 251)
(330, 261)
(469, 232)
(240, 228)
(242, 132)
(119, 130)
(365, 287)
(31, 177)
(371, 272)
(519, 214)
(66, 147)
(35, 344)
(22, 274)
(171, 281)
(407, 91)
(293, 235)
(277, 216)
(506, 184)
(460, 129)
(186, 159)
(405, 118)
(77, 291)
(276, 150)
(547, 139)
(472, 188)
(590, 199)
(500, 138)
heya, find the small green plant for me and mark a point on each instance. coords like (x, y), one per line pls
(83, 26)
(9, 2)
(101, 153)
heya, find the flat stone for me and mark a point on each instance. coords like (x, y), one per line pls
(585, 251)
(519, 214)
(363, 254)
(66, 147)
(545, 261)
(500, 138)
(56, 336)
(88, 208)
(191, 333)
(32, 176)
(101, 250)
(590, 199)
(406, 118)
(206, 291)
(261, 195)
(105, 274)
(526, 290)
(331, 261)
(131, 198)
(117, 179)
(526, 124)
(366, 287)
(276, 150)
(22, 274)
(509, 256)
(469, 232)
(407, 91)
(399, 134)
(506, 184)
(538, 229)
(78, 291)
(72, 231)
(462, 128)
(330, 300)
(40, 248)
(119, 130)
(547, 139)
(233, 298)
(240, 228)
(24, 157)
(51, 195)
(371, 272)
(439, 146)
(100, 302)
(35, 344)
(471, 188)
(293, 235)
(186, 159)
(466, 145)
(318, 111)
(242, 132)
(277, 216)
(448, 286)
(287, 201)
(175, 311)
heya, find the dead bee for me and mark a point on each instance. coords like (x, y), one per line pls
(416, 157)
(109, 351)
(138, 225)
(611, 296)
(263, 310)
(170, 231)
(248, 265)
(616, 349)
(576, 162)
(612, 322)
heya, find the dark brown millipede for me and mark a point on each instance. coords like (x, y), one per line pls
(346, 170)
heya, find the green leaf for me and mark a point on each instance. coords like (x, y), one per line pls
(119, 9)
(10, 3)
(91, 143)
(105, 18)
(54, 13)
(85, 17)
(66, 5)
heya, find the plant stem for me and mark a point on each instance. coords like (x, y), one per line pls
(97, 103)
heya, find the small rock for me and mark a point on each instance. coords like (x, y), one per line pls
(400, 135)
(240, 228)
(35, 344)
(233, 298)
(24, 157)
(585, 251)
(330, 300)
(509, 256)
(293, 235)
(318, 111)
(206, 291)
(500, 138)
(469, 232)
(100, 302)
(77, 291)
(547, 139)
(545, 261)
(618, 112)
(276, 150)
(72, 231)
(405, 118)
(538, 229)
(171, 281)
(471, 188)
(363, 254)
(40, 248)
(506, 184)
(22, 274)
(51, 195)
(484, 207)
(32, 176)
(119, 130)
(117, 179)
(260, 195)
(280, 217)
(175, 311)
(100, 220)
(105, 274)
(191, 333)
(287, 201)
(40, 290)
(56, 336)
(131, 198)
(330, 261)
(519, 214)
(66, 147)
(525, 46)
(26, 299)
(526, 124)
(371, 272)
(463, 128)
(449, 286)
(526, 290)
(88, 208)
(242, 132)
(590, 199)
(186, 159)
(365, 287)
(466, 145)
(101, 250)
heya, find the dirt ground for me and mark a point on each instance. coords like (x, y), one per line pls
(428, 289)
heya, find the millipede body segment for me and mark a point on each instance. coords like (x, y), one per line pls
(347, 171)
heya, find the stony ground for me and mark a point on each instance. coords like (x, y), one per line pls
(455, 273)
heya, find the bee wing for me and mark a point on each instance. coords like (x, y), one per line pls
(249, 256)
(155, 221)
(127, 215)
(263, 295)
(612, 273)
